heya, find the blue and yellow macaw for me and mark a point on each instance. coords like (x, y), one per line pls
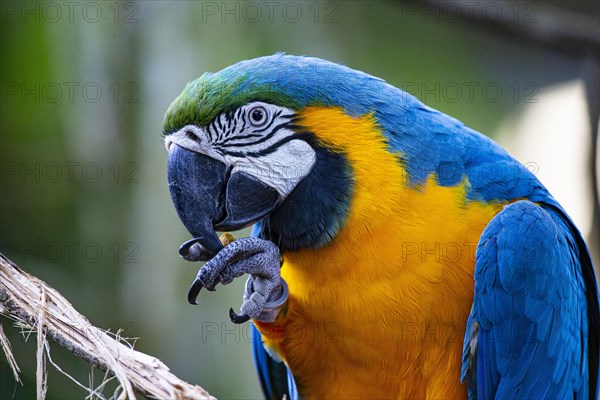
(396, 252)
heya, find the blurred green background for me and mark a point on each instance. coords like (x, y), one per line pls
(84, 203)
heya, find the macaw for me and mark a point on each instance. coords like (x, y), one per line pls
(396, 253)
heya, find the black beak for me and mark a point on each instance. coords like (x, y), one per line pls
(196, 183)
(206, 198)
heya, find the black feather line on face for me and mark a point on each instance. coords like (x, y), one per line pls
(227, 133)
(211, 135)
(262, 138)
(248, 136)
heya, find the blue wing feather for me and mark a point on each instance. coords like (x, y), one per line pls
(529, 322)
(273, 374)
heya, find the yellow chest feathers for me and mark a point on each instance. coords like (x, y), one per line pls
(381, 311)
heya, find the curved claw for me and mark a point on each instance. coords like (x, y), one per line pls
(195, 291)
(184, 249)
(237, 318)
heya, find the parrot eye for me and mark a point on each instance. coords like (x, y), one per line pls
(258, 116)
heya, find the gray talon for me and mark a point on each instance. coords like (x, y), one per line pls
(192, 250)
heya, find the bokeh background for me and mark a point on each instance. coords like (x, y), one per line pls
(84, 203)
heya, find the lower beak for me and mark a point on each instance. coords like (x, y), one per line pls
(207, 197)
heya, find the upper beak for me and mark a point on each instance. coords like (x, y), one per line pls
(208, 196)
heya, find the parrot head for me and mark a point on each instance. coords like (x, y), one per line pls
(241, 152)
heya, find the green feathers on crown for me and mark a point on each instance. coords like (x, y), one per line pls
(212, 94)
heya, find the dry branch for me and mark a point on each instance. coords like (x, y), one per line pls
(38, 307)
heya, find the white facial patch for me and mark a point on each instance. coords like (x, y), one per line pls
(283, 168)
(257, 139)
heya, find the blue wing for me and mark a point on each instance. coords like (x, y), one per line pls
(275, 379)
(533, 329)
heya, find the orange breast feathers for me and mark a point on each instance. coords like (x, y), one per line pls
(381, 311)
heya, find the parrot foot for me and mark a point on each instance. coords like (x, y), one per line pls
(265, 291)
(257, 307)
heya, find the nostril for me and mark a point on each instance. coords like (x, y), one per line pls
(190, 134)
